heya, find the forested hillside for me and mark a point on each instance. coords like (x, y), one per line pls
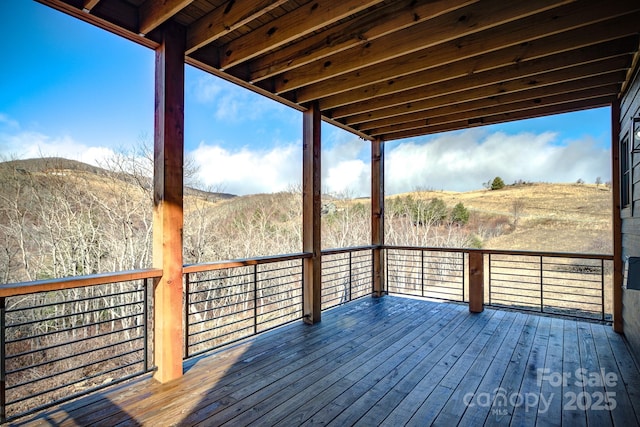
(62, 218)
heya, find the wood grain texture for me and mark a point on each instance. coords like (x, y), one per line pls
(434, 362)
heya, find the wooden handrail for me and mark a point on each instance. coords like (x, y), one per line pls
(504, 252)
(23, 288)
(347, 250)
(219, 265)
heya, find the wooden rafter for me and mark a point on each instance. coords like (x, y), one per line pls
(535, 96)
(374, 65)
(224, 20)
(448, 27)
(369, 27)
(154, 12)
(503, 81)
(505, 117)
(89, 4)
(300, 22)
(435, 64)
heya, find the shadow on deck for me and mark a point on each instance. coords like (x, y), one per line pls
(390, 361)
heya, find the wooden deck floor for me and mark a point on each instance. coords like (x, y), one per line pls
(390, 361)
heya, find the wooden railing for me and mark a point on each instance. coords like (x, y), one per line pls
(231, 300)
(62, 338)
(577, 285)
(346, 275)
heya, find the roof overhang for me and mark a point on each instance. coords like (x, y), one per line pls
(398, 69)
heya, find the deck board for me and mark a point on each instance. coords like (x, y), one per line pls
(386, 361)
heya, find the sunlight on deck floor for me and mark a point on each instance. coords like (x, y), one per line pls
(390, 361)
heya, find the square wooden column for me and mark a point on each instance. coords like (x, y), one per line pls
(377, 215)
(168, 202)
(311, 205)
(476, 281)
(616, 220)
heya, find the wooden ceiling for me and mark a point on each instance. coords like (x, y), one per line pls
(398, 69)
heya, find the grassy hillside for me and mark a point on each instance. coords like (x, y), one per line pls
(544, 217)
(60, 218)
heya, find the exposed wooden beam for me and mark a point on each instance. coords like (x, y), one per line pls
(451, 26)
(311, 206)
(222, 20)
(558, 61)
(295, 24)
(495, 110)
(506, 117)
(510, 56)
(154, 12)
(504, 77)
(120, 18)
(535, 95)
(377, 215)
(495, 92)
(452, 60)
(377, 23)
(168, 216)
(89, 4)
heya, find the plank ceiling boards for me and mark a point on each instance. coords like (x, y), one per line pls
(398, 69)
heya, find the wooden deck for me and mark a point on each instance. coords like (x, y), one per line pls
(390, 361)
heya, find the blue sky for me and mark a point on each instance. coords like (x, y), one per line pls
(60, 95)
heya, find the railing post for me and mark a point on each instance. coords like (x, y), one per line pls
(541, 287)
(476, 281)
(187, 293)
(602, 286)
(377, 216)
(490, 278)
(350, 275)
(3, 367)
(145, 323)
(311, 206)
(168, 214)
(255, 299)
(422, 272)
(462, 256)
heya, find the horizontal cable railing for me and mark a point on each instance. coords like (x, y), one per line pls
(576, 285)
(436, 273)
(64, 338)
(346, 275)
(231, 300)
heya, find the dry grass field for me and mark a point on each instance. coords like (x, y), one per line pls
(548, 217)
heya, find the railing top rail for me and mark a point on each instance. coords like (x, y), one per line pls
(504, 252)
(335, 251)
(22, 288)
(219, 265)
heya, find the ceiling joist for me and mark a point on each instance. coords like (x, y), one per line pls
(392, 69)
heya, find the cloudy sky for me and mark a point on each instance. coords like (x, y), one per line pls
(60, 96)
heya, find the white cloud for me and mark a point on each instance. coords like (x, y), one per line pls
(458, 161)
(205, 89)
(346, 165)
(229, 102)
(245, 172)
(25, 144)
(464, 160)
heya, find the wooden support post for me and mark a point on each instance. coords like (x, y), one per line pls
(616, 220)
(311, 205)
(476, 281)
(168, 202)
(377, 215)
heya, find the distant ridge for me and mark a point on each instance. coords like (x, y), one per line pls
(53, 164)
